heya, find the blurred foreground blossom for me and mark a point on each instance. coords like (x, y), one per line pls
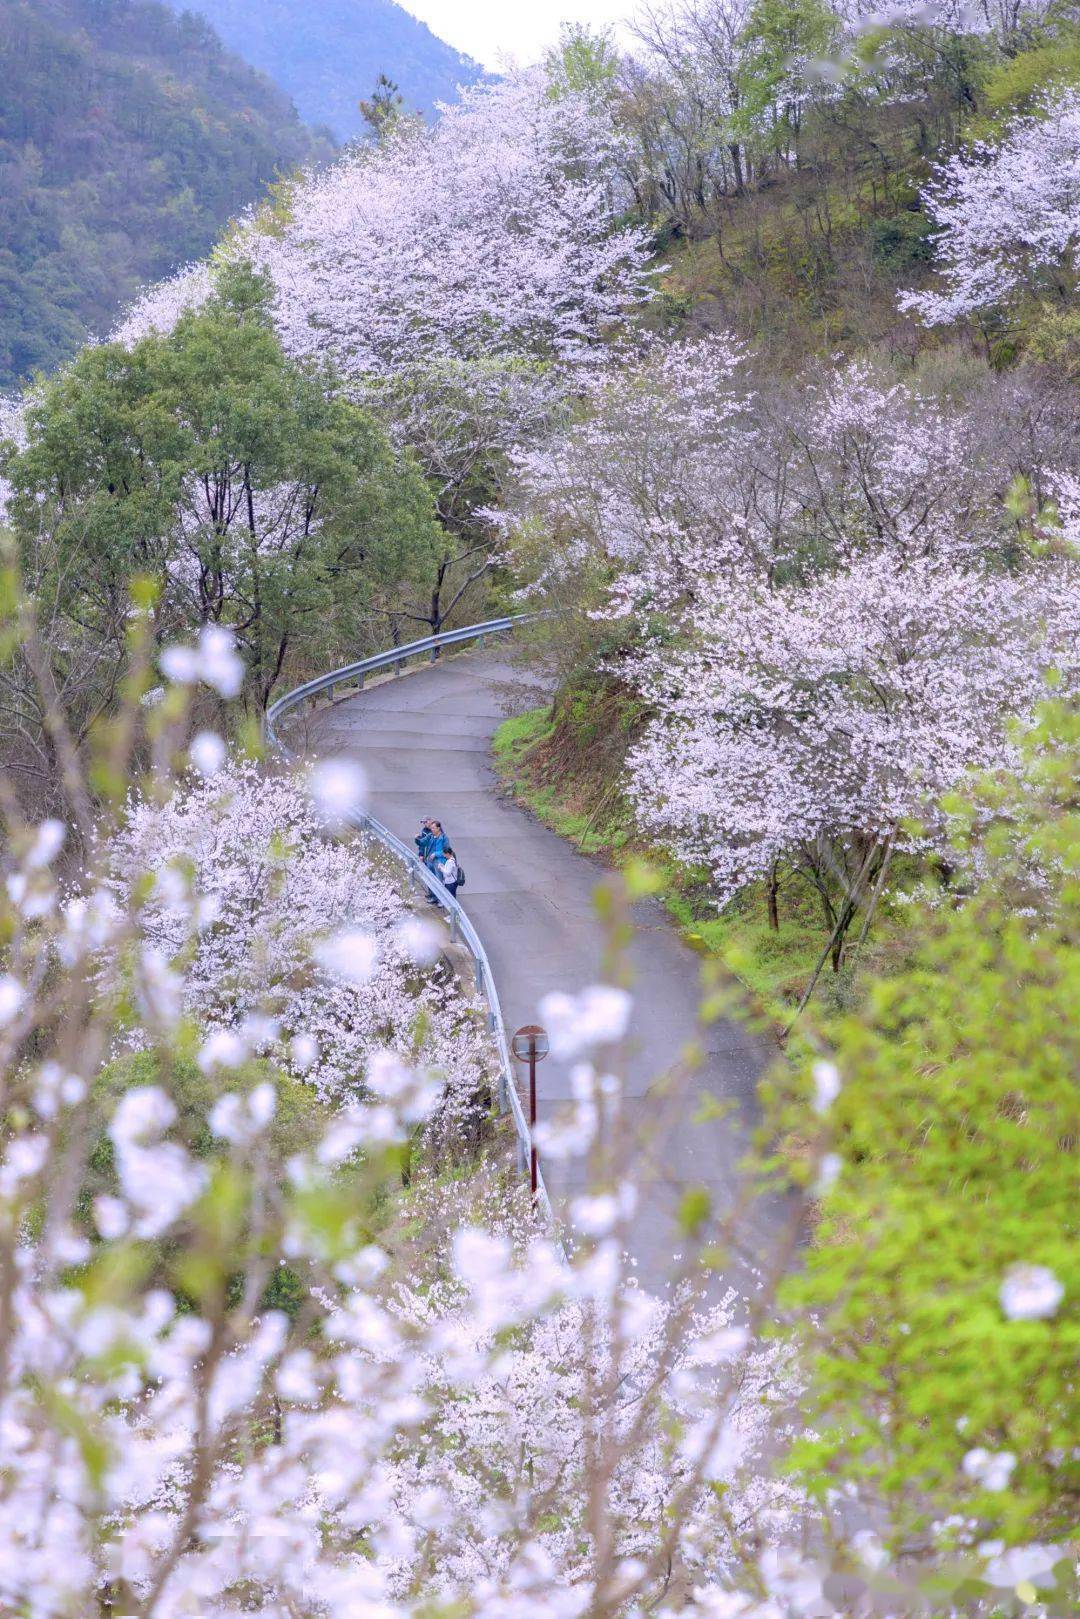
(599, 1016)
(338, 789)
(207, 752)
(828, 1174)
(350, 954)
(48, 841)
(1030, 1293)
(420, 940)
(213, 660)
(1019, 1565)
(240, 1119)
(12, 997)
(826, 1077)
(303, 1051)
(990, 1469)
(223, 1048)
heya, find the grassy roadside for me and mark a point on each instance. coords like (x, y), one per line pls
(773, 965)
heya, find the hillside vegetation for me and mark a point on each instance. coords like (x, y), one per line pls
(128, 138)
(866, 335)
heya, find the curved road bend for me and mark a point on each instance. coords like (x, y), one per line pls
(424, 741)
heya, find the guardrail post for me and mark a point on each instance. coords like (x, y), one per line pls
(360, 682)
(397, 666)
(453, 926)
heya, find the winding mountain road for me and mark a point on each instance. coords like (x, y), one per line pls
(425, 743)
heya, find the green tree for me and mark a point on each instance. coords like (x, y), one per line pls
(384, 107)
(955, 1130)
(252, 490)
(781, 41)
(584, 61)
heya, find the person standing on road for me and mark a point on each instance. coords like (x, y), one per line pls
(436, 853)
(437, 847)
(423, 839)
(451, 871)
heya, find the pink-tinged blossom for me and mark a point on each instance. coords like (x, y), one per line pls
(1007, 216)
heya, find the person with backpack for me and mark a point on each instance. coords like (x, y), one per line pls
(452, 874)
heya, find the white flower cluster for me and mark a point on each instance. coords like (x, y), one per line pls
(1008, 215)
(247, 885)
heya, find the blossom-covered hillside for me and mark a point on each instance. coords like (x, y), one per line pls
(747, 361)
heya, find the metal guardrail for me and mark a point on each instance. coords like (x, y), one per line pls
(460, 926)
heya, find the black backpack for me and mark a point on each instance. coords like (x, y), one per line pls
(460, 875)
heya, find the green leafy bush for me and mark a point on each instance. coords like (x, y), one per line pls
(955, 1131)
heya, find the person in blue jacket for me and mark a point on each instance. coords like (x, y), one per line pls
(436, 853)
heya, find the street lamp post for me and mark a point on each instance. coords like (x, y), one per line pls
(530, 1044)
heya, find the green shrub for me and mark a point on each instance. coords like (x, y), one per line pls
(956, 1132)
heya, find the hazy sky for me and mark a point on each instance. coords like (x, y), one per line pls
(494, 30)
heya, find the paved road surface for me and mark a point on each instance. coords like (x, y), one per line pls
(424, 741)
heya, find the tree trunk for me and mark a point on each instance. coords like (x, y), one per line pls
(774, 899)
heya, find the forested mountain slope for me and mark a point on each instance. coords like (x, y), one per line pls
(128, 138)
(328, 56)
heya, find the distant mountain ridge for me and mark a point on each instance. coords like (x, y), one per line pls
(328, 53)
(128, 139)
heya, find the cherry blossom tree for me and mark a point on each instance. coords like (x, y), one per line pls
(276, 889)
(160, 306)
(823, 600)
(461, 277)
(688, 469)
(657, 479)
(1008, 216)
(821, 725)
(12, 431)
(491, 236)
